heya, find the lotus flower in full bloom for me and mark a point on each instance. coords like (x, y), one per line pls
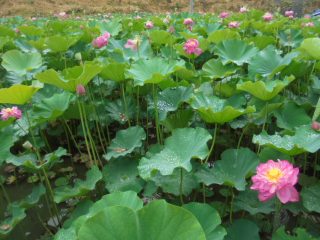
(188, 22)
(224, 15)
(149, 25)
(13, 112)
(101, 41)
(243, 10)
(267, 16)
(289, 14)
(276, 178)
(192, 47)
(233, 24)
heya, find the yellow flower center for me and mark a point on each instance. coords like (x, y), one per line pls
(8, 110)
(274, 174)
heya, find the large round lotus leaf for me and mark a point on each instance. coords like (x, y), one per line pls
(21, 63)
(215, 69)
(114, 71)
(310, 47)
(179, 119)
(299, 234)
(209, 219)
(233, 168)
(291, 116)
(122, 175)
(264, 90)
(113, 27)
(179, 149)
(161, 37)
(157, 221)
(262, 41)
(243, 229)
(17, 94)
(80, 188)
(70, 78)
(60, 43)
(222, 35)
(305, 140)
(235, 51)
(31, 30)
(125, 142)
(215, 110)
(268, 62)
(248, 201)
(120, 112)
(291, 37)
(310, 198)
(49, 109)
(152, 70)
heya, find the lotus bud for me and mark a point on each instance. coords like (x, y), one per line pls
(27, 145)
(81, 91)
(315, 126)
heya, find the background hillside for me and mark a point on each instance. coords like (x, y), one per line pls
(48, 7)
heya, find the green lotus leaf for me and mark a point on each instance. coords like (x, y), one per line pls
(3, 41)
(158, 220)
(122, 175)
(153, 70)
(179, 149)
(80, 188)
(291, 38)
(262, 41)
(170, 99)
(31, 30)
(60, 43)
(114, 71)
(244, 228)
(249, 202)
(160, 37)
(120, 112)
(169, 183)
(310, 198)
(8, 138)
(310, 47)
(17, 214)
(125, 142)
(265, 90)
(215, 69)
(179, 119)
(113, 27)
(235, 51)
(299, 234)
(21, 63)
(268, 62)
(6, 31)
(70, 77)
(33, 198)
(49, 109)
(233, 168)
(304, 140)
(291, 116)
(209, 219)
(30, 161)
(222, 35)
(17, 94)
(215, 110)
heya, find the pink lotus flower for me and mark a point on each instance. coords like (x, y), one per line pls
(307, 16)
(80, 90)
(243, 10)
(33, 18)
(192, 47)
(308, 24)
(289, 13)
(188, 22)
(267, 16)
(13, 112)
(276, 178)
(224, 15)
(149, 25)
(101, 41)
(233, 24)
(133, 43)
(61, 15)
(315, 126)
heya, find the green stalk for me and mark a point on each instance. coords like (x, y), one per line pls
(241, 136)
(181, 185)
(155, 100)
(138, 106)
(125, 103)
(5, 194)
(66, 126)
(231, 205)
(213, 142)
(277, 215)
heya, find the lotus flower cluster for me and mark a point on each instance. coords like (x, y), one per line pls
(192, 47)
(267, 17)
(133, 44)
(276, 178)
(243, 10)
(224, 15)
(101, 41)
(289, 14)
(13, 112)
(149, 25)
(233, 24)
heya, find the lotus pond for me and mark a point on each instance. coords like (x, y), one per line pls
(165, 127)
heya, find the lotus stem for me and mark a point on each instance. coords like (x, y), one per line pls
(181, 186)
(231, 205)
(155, 100)
(138, 105)
(213, 142)
(277, 215)
(125, 103)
